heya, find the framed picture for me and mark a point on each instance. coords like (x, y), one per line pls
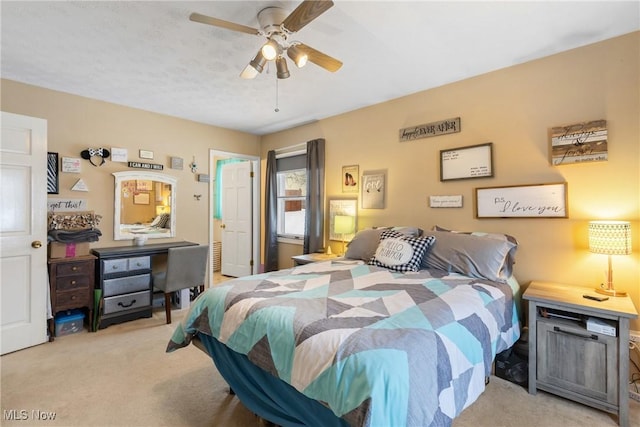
(579, 143)
(145, 154)
(52, 173)
(141, 199)
(523, 201)
(474, 161)
(342, 207)
(350, 178)
(144, 185)
(373, 189)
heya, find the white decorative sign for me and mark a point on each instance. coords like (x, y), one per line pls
(445, 201)
(119, 154)
(522, 201)
(70, 164)
(66, 205)
(80, 186)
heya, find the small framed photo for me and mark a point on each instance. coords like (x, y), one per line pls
(177, 163)
(141, 199)
(146, 154)
(350, 178)
(374, 189)
(52, 173)
(475, 161)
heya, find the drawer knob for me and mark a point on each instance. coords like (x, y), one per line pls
(73, 297)
(73, 282)
(74, 268)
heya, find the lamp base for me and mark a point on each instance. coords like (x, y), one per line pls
(611, 292)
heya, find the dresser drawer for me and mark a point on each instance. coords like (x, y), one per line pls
(139, 263)
(67, 283)
(73, 299)
(73, 268)
(114, 265)
(127, 302)
(125, 285)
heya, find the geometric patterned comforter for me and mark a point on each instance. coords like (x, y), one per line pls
(379, 348)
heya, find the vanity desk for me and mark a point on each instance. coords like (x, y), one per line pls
(123, 273)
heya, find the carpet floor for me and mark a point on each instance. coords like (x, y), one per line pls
(121, 376)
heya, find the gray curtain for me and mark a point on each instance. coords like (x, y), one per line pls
(271, 214)
(314, 218)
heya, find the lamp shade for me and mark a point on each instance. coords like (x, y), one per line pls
(610, 237)
(343, 224)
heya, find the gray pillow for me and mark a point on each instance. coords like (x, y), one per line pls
(364, 244)
(475, 256)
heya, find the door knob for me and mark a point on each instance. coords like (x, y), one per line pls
(36, 244)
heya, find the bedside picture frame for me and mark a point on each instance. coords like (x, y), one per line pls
(346, 207)
(350, 179)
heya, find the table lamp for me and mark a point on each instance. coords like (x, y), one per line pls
(610, 238)
(343, 224)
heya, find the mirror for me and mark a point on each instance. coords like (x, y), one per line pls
(144, 205)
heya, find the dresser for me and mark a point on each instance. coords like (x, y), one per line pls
(123, 274)
(71, 282)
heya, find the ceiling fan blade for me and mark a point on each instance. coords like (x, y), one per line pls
(203, 19)
(320, 59)
(306, 12)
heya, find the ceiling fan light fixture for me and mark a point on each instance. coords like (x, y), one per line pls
(282, 68)
(298, 56)
(270, 50)
(258, 62)
(249, 72)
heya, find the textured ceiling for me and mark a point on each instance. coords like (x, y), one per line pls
(148, 54)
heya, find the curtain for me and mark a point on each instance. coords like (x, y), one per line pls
(217, 213)
(271, 214)
(314, 217)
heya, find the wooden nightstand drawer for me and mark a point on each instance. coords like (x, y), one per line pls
(73, 268)
(67, 300)
(74, 282)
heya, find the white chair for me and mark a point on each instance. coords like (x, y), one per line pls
(186, 268)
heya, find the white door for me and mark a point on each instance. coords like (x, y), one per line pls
(236, 220)
(23, 232)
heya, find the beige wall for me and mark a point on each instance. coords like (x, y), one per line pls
(513, 108)
(76, 123)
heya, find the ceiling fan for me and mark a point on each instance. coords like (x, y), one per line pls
(277, 26)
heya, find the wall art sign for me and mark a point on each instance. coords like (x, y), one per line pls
(66, 205)
(350, 179)
(475, 161)
(72, 165)
(427, 130)
(445, 201)
(177, 163)
(119, 154)
(579, 143)
(52, 173)
(373, 189)
(145, 154)
(140, 165)
(523, 201)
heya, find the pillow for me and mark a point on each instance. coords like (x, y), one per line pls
(474, 256)
(399, 252)
(511, 255)
(364, 244)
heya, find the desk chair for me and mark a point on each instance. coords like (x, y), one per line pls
(186, 268)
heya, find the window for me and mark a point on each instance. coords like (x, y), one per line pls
(292, 193)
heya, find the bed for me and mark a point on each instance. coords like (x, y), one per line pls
(401, 331)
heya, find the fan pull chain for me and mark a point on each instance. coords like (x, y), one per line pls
(277, 109)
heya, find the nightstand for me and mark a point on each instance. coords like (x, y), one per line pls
(71, 282)
(570, 360)
(309, 258)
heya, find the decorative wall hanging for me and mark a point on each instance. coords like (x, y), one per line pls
(474, 161)
(579, 143)
(52, 173)
(177, 163)
(350, 179)
(141, 199)
(373, 189)
(427, 130)
(119, 154)
(140, 165)
(445, 201)
(54, 204)
(71, 165)
(90, 153)
(80, 186)
(145, 154)
(523, 201)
